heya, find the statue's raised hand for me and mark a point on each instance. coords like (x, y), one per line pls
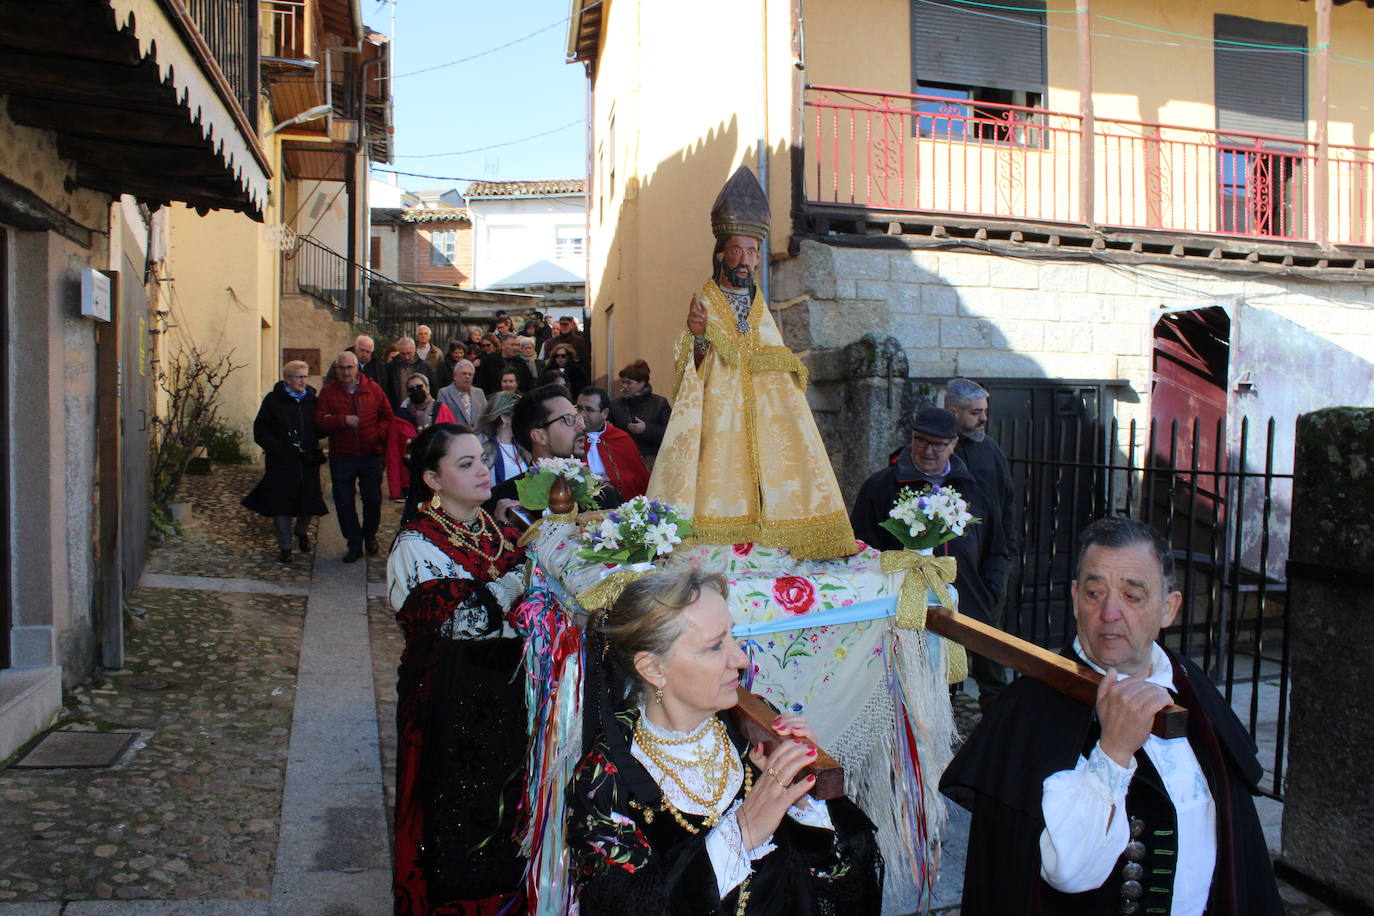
(696, 316)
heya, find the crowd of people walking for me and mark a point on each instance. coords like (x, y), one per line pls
(372, 405)
(671, 809)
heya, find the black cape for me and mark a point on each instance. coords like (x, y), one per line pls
(633, 858)
(285, 430)
(1034, 731)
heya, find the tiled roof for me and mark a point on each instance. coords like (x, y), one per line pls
(436, 215)
(549, 188)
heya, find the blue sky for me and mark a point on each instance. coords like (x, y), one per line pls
(506, 95)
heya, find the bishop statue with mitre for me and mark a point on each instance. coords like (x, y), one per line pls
(742, 452)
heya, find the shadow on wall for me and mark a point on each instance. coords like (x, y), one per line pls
(865, 316)
(659, 254)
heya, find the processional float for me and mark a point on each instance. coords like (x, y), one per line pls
(863, 643)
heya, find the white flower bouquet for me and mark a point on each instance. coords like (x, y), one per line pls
(925, 518)
(533, 489)
(640, 530)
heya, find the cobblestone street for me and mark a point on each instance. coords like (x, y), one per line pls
(215, 808)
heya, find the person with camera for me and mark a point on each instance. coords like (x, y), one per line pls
(290, 487)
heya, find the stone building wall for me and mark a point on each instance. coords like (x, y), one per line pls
(51, 434)
(986, 316)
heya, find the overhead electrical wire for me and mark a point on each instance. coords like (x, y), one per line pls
(480, 149)
(493, 50)
(1207, 42)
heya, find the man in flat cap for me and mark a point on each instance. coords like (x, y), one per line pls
(981, 551)
(742, 448)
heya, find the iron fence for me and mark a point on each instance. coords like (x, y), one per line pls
(317, 270)
(285, 29)
(1217, 496)
(230, 30)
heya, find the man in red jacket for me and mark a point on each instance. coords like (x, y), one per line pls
(354, 412)
(611, 452)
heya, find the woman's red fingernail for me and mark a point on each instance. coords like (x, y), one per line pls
(811, 778)
(811, 752)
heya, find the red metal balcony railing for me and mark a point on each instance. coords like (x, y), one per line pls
(902, 152)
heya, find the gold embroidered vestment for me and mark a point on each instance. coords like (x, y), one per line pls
(742, 450)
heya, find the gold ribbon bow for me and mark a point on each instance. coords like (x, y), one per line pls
(923, 572)
(603, 594)
(533, 531)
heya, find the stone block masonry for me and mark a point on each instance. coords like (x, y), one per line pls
(968, 312)
(1331, 597)
(965, 312)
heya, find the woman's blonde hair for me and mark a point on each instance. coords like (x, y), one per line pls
(294, 364)
(647, 617)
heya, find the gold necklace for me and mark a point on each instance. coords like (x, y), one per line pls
(669, 765)
(458, 536)
(666, 805)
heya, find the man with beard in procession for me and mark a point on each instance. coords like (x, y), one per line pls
(741, 399)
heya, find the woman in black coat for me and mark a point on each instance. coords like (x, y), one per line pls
(640, 412)
(290, 486)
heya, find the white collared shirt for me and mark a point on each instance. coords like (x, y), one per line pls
(1086, 826)
(594, 453)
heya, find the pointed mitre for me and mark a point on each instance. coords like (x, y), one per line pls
(741, 208)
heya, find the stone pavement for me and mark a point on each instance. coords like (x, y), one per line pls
(262, 777)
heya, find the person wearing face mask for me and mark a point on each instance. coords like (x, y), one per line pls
(290, 487)
(452, 575)
(417, 412)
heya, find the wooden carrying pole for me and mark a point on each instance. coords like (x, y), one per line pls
(755, 720)
(1050, 668)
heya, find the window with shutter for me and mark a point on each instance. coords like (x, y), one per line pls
(977, 62)
(1260, 88)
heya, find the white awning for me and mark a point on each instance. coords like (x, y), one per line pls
(177, 63)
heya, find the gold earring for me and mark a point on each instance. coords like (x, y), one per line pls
(658, 695)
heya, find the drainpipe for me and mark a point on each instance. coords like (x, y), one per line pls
(351, 183)
(1321, 187)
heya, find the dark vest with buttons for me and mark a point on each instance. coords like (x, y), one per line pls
(1142, 881)
(1031, 732)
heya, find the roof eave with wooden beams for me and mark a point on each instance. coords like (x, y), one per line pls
(135, 106)
(584, 30)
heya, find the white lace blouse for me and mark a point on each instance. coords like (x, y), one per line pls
(415, 559)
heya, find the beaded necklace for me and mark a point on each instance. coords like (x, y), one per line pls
(716, 765)
(460, 536)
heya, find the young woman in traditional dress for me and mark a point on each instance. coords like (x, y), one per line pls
(460, 714)
(672, 812)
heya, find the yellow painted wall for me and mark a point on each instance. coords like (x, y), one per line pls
(223, 297)
(1137, 74)
(1150, 72)
(688, 109)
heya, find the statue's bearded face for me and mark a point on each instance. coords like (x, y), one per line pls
(738, 261)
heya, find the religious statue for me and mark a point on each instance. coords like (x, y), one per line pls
(742, 451)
